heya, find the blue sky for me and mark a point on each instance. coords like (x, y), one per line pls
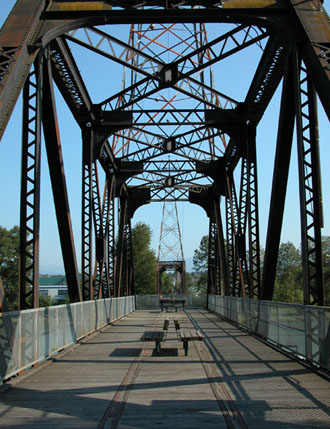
(193, 222)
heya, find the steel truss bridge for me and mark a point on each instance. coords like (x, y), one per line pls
(169, 132)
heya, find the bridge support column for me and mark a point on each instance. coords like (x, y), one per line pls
(124, 277)
(30, 189)
(243, 220)
(309, 185)
(279, 187)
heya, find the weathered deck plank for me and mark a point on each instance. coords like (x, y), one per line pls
(229, 380)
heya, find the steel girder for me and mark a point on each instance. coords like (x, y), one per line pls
(236, 250)
(30, 189)
(109, 229)
(280, 180)
(214, 265)
(57, 176)
(98, 223)
(288, 25)
(220, 241)
(311, 211)
(243, 226)
(101, 287)
(124, 272)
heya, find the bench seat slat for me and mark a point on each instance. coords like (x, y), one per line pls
(190, 335)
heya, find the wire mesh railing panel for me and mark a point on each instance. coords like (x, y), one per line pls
(31, 336)
(303, 331)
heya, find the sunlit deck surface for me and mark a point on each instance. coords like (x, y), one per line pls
(111, 379)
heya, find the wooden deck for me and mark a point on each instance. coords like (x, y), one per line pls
(111, 379)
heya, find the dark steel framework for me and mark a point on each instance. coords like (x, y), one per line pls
(152, 146)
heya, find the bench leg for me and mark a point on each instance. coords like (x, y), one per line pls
(185, 346)
(157, 348)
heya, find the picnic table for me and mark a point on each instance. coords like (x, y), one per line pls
(156, 336)
(185, 335)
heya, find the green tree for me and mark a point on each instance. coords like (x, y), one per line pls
(46, 301)
(9, 262)
(200, 258)
(200, 265)
(167, 281)
(191, 283)
(144, 259)
(288, 282)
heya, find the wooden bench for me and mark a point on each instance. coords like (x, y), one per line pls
(187, 335)
(172, 303)
(156, 336)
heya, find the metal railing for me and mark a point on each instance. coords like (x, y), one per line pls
(303, 331)
(31, 336)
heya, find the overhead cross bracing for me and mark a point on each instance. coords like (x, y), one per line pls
(169, 125)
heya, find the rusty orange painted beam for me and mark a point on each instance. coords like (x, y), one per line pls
(68, 6)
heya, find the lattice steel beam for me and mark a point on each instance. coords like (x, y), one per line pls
(309, 186)
(70, 82)
(86, 221)
(30, 190)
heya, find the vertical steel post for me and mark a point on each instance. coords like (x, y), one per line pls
(243, 213)
(105, 266)
(110, 232)
(221, 250)
(98, 291)
(279, 185)
(309, 185)
(253, 216)
(231, 253)
(211, 271)
(130, 261)
(30, 189)
(86, 221)
(235, 243)
(120, 246)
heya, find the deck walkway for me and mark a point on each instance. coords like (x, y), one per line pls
(111, 379)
